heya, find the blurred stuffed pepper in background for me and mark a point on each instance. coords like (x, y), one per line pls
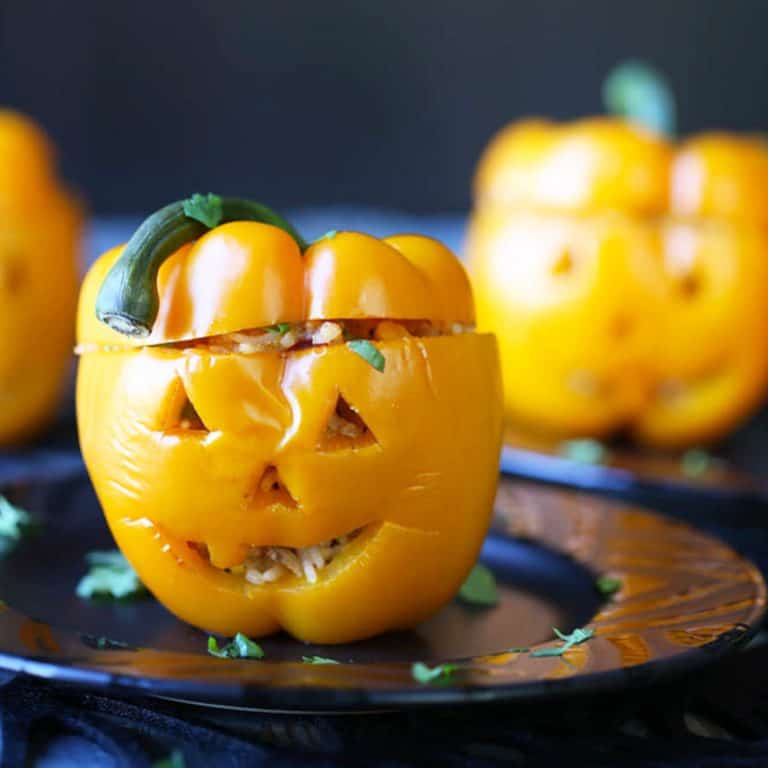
(285, 435)
(626, 275)
(40, 228)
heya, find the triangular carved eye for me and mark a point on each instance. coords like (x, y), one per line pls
(182, 414)
(345, 429)
(270, 490)
(189, 417)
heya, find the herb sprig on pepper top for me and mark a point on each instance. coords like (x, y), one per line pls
(368, 352)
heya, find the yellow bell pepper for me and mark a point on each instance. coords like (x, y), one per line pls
(39, 239)
(241, 427)
(627, 278)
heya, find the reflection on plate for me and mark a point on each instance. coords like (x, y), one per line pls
(626, 469)
(685, 599)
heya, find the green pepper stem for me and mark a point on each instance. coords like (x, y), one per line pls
(128, 300)
(638, 92)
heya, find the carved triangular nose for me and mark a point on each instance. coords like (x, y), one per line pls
(189, 417)
(345, 429)
(182, 414)
(269, 490)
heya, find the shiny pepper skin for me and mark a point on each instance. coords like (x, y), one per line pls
(627, 278)
(422, 488)
(39, 239)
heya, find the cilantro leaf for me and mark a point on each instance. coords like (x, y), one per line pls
(368, 352)
(204, 208)
(425, 675)
(109, 575)
(607, 585)
(280, 327)
(240, 647)
(174, 760)
(214, 650)
(101, 643)
(107, 558)
(583, 451)
(15, 523)
(576, 637)
(480, 588)
(695, 462)
(318, 660)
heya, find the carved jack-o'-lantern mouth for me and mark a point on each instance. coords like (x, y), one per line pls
(261, 566)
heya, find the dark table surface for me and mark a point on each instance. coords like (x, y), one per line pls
(718, 717)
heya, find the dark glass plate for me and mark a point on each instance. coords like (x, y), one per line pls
(685, 599)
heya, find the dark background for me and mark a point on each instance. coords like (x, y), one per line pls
(312, 102)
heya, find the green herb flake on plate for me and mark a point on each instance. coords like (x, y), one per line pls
(576, 637)
(695, 462)
(426, 675)
(109, 575)
(240, 647)
(15, 523)
(174, 760)
(318, 660)
(480, 588)
(607, 585)
(585, 451)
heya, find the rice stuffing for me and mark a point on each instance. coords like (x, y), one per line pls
(265, 565)
(292, 336)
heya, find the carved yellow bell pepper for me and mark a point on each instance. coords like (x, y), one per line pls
(291, 437)
(626, 277)
(39, 239)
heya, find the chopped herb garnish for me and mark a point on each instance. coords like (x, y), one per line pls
(240, 647)
(174, 760)
(368, 352)
(15, 523)
(583, 451)
(280, 327)
(695, 462)
(318, 660)
(109, 575)
(206, 209)
(424, 674)
(105, 643)
(607, 585)
(576, 637)
(480, 588)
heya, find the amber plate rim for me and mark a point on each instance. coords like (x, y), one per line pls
(687, 599)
